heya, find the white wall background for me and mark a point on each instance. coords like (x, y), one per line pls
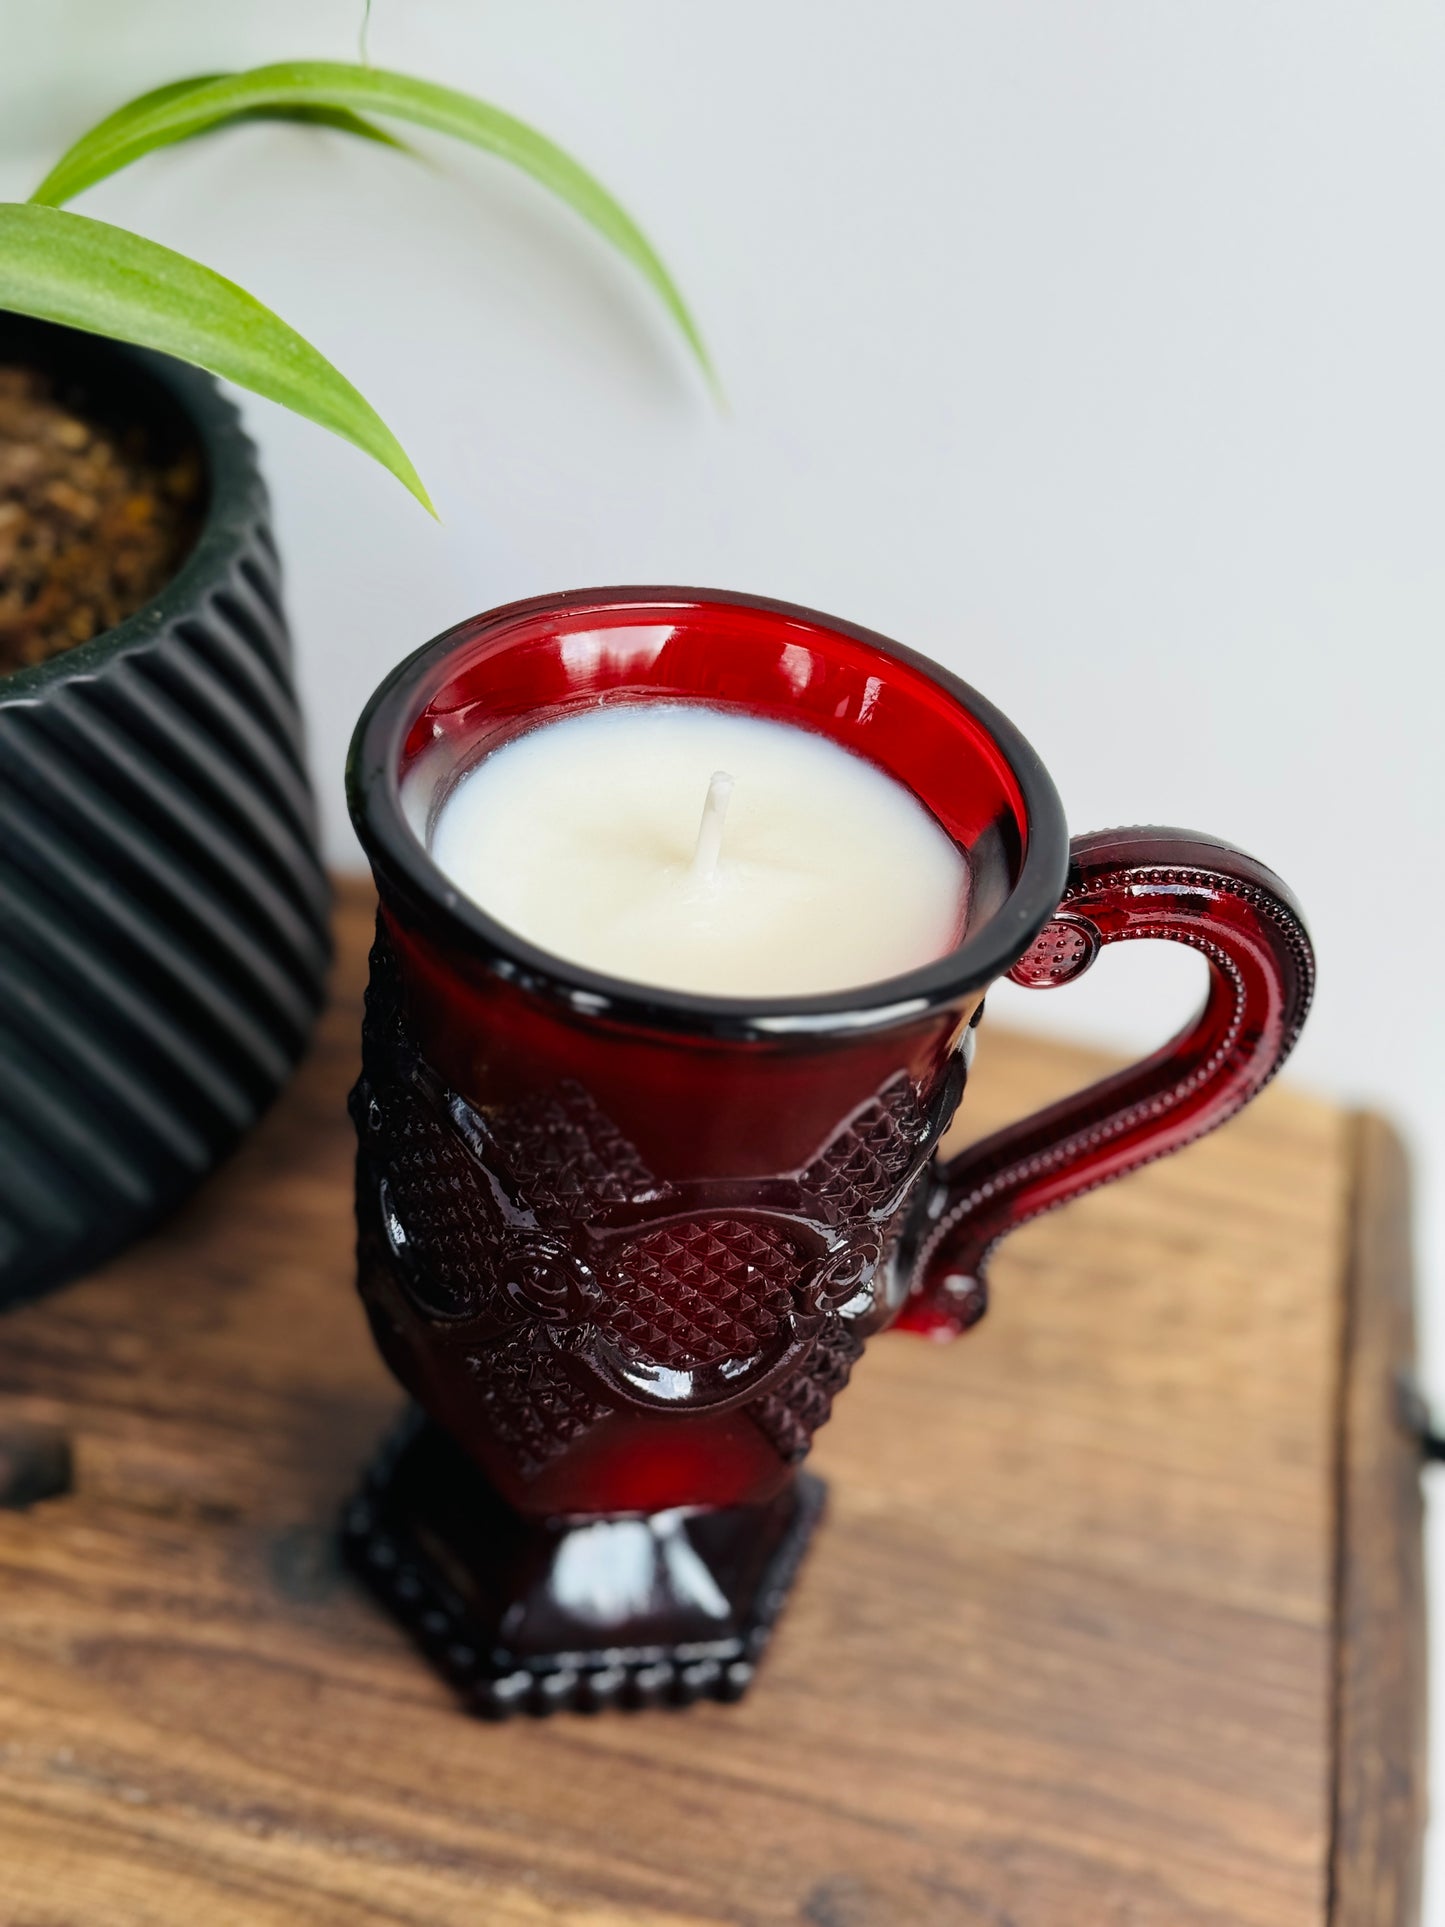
(1097, 350)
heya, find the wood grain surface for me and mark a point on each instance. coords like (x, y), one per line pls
(1380, 1656)
(1062, 1653)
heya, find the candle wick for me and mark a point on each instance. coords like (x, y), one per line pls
(710, 830)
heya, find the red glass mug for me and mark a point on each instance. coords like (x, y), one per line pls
(623, 1245)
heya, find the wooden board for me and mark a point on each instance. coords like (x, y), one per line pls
(1380, 1675)
(1063, 1653)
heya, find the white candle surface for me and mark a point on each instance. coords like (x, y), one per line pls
(704, 850)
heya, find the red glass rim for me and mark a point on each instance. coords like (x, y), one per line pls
(451, 686)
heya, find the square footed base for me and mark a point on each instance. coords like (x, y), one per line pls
(536, 1616)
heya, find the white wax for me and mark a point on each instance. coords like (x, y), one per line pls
(815, 871)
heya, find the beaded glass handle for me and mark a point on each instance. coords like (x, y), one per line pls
(1124, 884)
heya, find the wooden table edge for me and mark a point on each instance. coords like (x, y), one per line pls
(1378, 1768)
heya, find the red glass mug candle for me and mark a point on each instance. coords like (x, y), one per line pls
(623, 1244)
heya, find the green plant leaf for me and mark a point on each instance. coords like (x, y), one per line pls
(170, 114)
(65, 267)
(340, 118)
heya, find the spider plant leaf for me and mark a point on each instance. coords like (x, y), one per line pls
(86, 274)
(170, 114)
(340, 118)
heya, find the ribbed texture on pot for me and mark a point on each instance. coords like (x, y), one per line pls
(163, 910)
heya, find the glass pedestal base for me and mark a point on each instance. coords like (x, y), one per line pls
(535, 1616)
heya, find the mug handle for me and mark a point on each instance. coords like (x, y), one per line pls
(1124, 884)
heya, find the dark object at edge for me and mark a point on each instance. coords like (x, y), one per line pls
(163, 909)
(35, 1463)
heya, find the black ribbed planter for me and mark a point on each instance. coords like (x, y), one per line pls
(163, 908)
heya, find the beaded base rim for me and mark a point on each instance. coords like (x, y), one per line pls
(388, 1554)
